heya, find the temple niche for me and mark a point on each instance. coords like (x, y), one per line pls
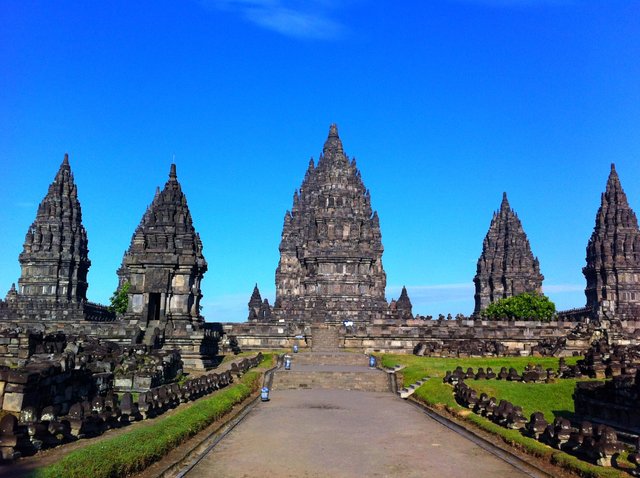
(506, 266)
(330, 267)
(613, 257)
(164, 266)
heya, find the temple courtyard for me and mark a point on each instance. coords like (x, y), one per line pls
(314, 433)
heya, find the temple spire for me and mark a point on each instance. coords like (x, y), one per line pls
(506, 266)
(55, 259)
(333, 149)
(613, 256)
(172, 173)
(330, 251)
(504, 206)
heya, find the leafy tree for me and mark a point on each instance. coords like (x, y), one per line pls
(120, 299)
(526, 306)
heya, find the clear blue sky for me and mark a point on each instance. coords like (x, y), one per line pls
(444, 103)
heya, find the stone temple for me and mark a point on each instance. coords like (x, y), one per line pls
(330, 267)
(613, 257)
(506, 266)
(54, 262)
(164, 266)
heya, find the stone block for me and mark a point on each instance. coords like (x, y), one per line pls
(13, 401)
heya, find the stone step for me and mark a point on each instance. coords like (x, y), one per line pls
(323, 337)
(366, 381)
(330, 358)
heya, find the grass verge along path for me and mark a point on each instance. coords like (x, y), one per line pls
(132, 452)
(552, 399)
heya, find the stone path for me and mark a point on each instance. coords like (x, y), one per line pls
(339, 433)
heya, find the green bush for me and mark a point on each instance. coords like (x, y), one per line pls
(120, 299)
(526, 306)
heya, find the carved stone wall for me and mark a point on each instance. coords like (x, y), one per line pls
(506, 266)
(330, 265)
(164, 266)
(54, 262)
(613, 257)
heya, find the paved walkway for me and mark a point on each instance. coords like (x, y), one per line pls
(337, 433)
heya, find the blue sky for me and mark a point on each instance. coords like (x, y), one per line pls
(445, 104)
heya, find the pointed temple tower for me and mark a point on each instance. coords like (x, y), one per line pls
(506, 266)
(164, 266)
(613, 257)
(330, 266)
(54, 262)
(403, 305)
(255, 302)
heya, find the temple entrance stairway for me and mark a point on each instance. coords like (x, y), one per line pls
(329, 369)
(325, 337)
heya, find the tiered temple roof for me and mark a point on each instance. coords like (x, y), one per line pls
(613, 256)
(54, 262)
(506, 266)
(164, 264)
(330, 265)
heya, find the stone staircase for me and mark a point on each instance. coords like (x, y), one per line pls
(330, 370)
(325, 338)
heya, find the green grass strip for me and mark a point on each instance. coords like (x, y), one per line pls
(132, 452)
(553, 399)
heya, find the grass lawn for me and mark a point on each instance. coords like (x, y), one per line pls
(557, 397)
(551, 399)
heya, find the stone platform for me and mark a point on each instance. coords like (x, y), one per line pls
(331, 370)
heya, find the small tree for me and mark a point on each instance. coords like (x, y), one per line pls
(120, 299)
(526, 306)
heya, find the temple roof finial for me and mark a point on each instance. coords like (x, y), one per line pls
(505, 201)
(333, 130)
(65, 162)
(172, 172)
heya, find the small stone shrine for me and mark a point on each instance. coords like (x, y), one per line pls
(163, 267)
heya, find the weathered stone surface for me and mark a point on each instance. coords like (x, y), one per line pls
(54, 262)
(330, 265)
(164, 266)
(613, 257)
(506, 266)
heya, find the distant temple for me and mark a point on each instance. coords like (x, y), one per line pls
(259, 310)
(506, 266)
(54, 262)
(164, 266)
(613, 257)
(330, 267)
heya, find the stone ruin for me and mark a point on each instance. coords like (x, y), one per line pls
(330, 267)
(315, 279)
(164, 266)
(506, 266)
(613, 257)
(597, 443)
(64, 402)
(615, 401)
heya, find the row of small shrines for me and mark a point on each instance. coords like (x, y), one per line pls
(331, 229)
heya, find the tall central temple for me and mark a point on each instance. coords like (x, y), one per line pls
(330, 267)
